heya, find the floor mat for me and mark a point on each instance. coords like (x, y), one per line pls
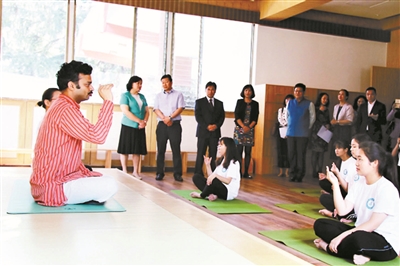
(21, 202)
(306, 209)
(223, 206)
(302, 240)
(312, 192)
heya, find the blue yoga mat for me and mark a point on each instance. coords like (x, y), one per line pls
(21, 202)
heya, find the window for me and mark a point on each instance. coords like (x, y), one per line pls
(104, 38)
(186, 51)
(150, 51)
(226, 58)
(33, 46)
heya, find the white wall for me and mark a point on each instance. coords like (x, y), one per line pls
(286, 57)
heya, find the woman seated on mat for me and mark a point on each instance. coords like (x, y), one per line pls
(376, 202)
(346, 177)
(224, 182)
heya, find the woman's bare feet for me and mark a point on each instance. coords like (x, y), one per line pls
(360, 259)
(325, 212)
(136, 175)
(212, 197)
(195, 195)
(321, 244)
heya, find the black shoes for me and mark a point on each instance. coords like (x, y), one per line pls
(178, 178)
(159, 177)
(247, 176)
(294, 179)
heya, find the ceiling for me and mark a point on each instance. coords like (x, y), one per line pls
(383, 11)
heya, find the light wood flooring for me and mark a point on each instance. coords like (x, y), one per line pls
(157, 228)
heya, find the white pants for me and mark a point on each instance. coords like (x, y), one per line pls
(90, 188)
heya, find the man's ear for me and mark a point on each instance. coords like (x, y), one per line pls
(71, 85)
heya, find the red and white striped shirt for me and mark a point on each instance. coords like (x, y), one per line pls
(58, 148)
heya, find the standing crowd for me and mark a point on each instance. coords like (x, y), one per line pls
(361, 186)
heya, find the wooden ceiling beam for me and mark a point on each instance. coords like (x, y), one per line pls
(277, 10)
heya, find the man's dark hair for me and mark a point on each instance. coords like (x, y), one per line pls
(300, 85)
(212, 84)
(166, 76)
(371, 89)
(70, 72)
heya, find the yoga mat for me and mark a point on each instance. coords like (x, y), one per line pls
(21, 202)
(312, 192)
(302, 240)
(223, 206)
(306, 209)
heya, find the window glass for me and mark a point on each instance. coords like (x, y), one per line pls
(103, 39)
(150, 51)
(33, 39)
(226, 58)
(186, 48)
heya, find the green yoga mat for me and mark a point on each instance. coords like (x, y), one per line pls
(302, 240)
(306, 209)
(312, 192)
(223, 206)
(21, 202)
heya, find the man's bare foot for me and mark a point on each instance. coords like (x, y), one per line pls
(195, 195)
(346, 221)
(325, 212)
(321, 244)
(212, 197)
(324, 192)
(360, 259)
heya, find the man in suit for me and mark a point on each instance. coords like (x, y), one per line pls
(210, 115)
(371, 116)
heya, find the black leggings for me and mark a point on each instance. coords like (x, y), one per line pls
(247, 157)
(369, 244)
(216, 187)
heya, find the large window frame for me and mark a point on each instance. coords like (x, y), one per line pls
(195, 89)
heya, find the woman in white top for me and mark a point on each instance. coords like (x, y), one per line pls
(224, 182)
(281, 142)
(376, 202)
(343, 116)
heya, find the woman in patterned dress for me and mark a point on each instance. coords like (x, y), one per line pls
(246, 116)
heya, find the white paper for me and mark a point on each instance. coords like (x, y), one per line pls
(325, 134)
(282, 132)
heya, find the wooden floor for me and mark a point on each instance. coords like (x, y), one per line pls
(142, 235)
(264, 190)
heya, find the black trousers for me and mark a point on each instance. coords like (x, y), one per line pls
(216, 187)
(174, 135)
(247, 157)
(202, 144)
(297, 149)
(368, 244)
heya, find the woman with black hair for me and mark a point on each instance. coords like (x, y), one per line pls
(246, 116)
(49, 95)
(375, 200)
(281, 141)
(317, 145)
(343, 117)
(360, 99)
(132, 139)
(224, 182)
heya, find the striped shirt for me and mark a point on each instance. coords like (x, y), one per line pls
(58, 148)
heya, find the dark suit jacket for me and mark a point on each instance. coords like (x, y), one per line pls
(206, 115)
(374, 127)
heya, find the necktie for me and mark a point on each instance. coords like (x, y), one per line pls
(211, 103)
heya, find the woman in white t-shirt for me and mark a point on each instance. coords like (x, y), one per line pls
(224, 182)
(376, 202)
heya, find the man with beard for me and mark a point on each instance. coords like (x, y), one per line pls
(58, 174)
